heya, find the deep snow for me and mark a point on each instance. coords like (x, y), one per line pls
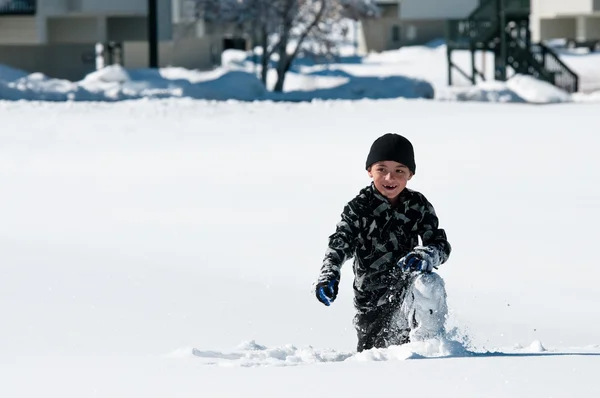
(143, 241)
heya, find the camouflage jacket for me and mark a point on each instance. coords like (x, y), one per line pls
(377, 235)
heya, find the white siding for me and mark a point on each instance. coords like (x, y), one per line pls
(18, 30)
(436, 9)
(552, 8)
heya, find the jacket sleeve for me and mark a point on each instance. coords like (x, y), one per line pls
(434, 239)
(342, 244)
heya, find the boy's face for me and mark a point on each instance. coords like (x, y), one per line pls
(390, 177)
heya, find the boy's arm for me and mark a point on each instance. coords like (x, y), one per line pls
(341, 244)
(434, 238)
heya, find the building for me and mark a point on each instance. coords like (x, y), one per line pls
(59, 37)
(382, 33)
(411, 22)
(575, 20)
(417, 22)
(423, 21)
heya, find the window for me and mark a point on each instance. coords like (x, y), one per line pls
(17, 7)
(395, 33)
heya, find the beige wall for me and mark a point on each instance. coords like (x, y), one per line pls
(556, 28)
(390, 32)
(75, 30)
(592, 28)
(186, 53)
(18, 30)
(552, 8)
(63, 61)
(378, 34)
(580, 28)
(74, 61)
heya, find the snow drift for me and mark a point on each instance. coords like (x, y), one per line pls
(410, 72)
(114, 83)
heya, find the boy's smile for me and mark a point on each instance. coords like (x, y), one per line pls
(390, 178)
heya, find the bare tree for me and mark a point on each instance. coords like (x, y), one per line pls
(286, 27)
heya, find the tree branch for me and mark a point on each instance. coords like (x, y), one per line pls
(305, 34)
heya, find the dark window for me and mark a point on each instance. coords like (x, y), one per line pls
(395, 33)
(17, 7)
(236, 43)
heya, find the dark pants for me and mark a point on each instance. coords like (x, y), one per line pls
(381, 327)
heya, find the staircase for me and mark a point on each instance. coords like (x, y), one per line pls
(502, 26)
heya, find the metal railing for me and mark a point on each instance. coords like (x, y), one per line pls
(564, 77)
(18, 7)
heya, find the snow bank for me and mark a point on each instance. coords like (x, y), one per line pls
(587, 97)
(365, 88)
(519, 89)
(537, 91)
(484, 92)
(233, 82)
(409, 72)
(8, 74)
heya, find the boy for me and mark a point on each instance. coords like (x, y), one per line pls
(396, 295)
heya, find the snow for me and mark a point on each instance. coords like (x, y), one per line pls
(410, 72)
(163, 239)
(535, 91)
(167, 248)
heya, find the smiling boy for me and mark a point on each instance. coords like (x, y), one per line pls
(396, 295)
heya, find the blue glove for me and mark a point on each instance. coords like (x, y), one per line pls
(416, 261)
(327, 291)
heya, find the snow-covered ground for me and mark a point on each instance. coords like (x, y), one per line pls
(166, 248)
(410, 72)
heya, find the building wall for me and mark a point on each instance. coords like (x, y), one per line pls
(592, 28)
(75, 30)
(381, 34)
(552, 8)
(556, 28)
(203, 53)
(127, 28)
(417, 32)
(64, 61)
(436, 9)
(121, 7)
(18, 30)
(93, 7)
(564, 19)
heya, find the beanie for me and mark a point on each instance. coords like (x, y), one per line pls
(394, 147)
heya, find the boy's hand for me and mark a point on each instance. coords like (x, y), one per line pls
(416, 261)
(327, 291)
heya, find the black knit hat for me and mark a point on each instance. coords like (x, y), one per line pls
(394, 147)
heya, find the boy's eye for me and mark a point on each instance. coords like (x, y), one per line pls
(399, 171)
(381, 170)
